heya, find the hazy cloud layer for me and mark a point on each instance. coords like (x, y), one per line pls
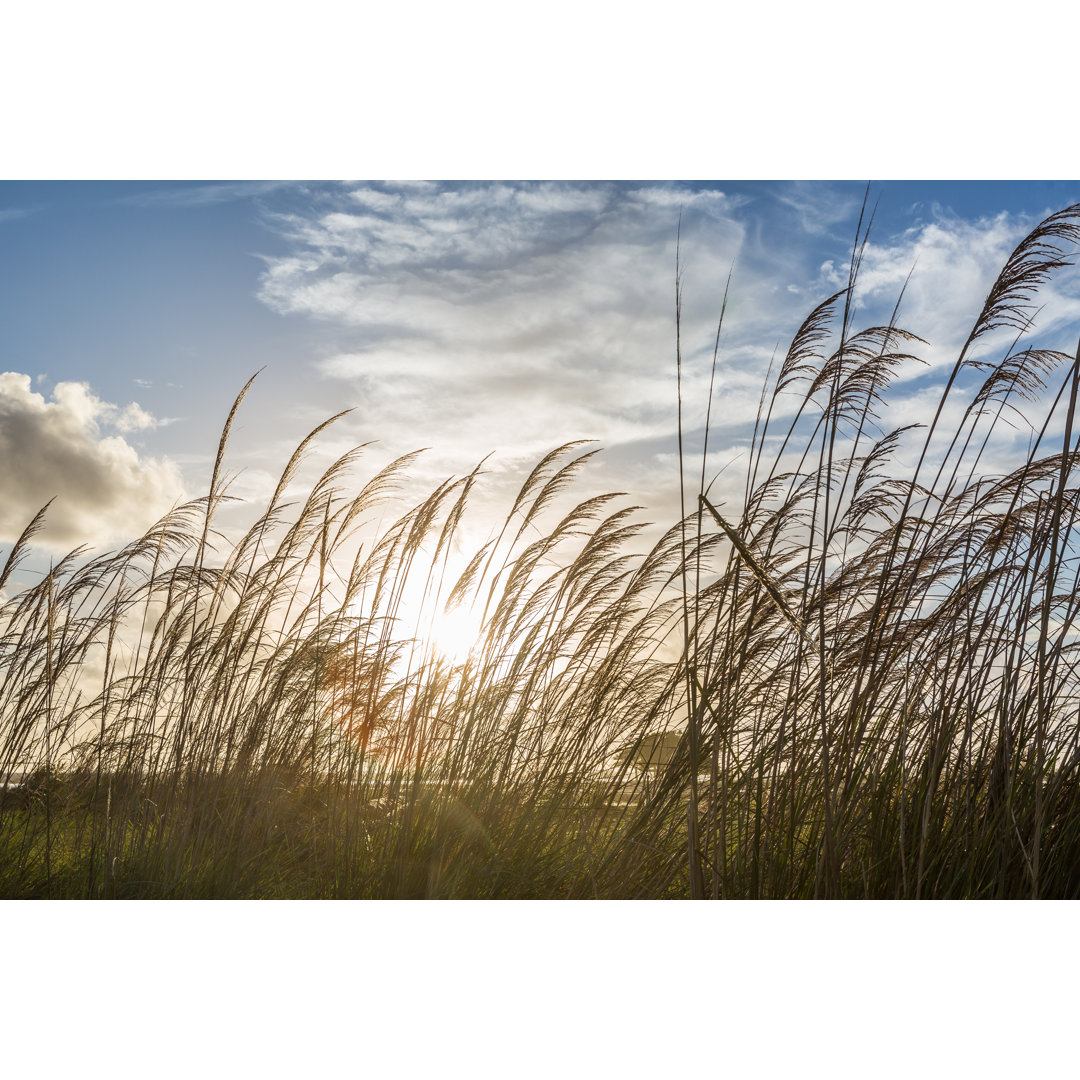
(72, 448)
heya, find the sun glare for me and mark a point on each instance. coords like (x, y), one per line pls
(454, 634)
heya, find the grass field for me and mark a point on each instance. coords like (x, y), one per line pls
(870, 665)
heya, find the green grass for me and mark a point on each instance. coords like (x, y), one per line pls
(872, 663)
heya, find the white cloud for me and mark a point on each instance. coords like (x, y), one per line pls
(953, 264)
(506, 317)
(510, 318)
(104, 491)
(133, 418)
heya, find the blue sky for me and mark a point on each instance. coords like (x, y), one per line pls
(469, 318)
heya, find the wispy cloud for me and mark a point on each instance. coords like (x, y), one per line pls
(203, 194)
(512, 317)
(18, 212)
(63, 448)
(502, 316)
(820, 208)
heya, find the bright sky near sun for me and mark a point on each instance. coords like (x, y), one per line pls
(469, 318)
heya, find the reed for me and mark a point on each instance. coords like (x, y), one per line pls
(871, 666)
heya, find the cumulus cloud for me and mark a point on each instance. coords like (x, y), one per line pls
(952, 264)
(72, 448)
(945, 266)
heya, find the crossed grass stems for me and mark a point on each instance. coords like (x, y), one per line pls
(872, 670)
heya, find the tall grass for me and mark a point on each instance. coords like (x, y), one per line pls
(270, 717)
(883, 664)
(871, 664)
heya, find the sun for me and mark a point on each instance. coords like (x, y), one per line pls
(454, 634)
